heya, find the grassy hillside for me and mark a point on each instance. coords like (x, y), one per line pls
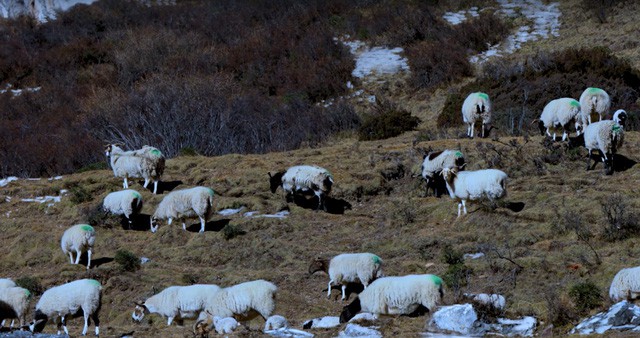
(534, 257)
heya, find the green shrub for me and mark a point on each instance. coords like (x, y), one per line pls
(387, 121)
(586, 296)
(622, 222)
(79, 195)
(127, 260)
(31, 284)
(230, 231)
(457, 275)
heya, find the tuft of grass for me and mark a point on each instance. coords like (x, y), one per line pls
(30, 283)
(586, 296)
(231, 231)
(127, 260)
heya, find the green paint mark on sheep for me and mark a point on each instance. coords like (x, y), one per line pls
(436, 280)
(86, 227)
(137, 195)
(94, 282)
(615, 128)
(27, 293)
(210, 191)
(574, 103)
(376, 260)
(458, 154)
(593, 90)
(156, 152)
(483, 96)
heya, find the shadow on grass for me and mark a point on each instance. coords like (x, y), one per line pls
(102, 260)
(215, 226)
(356, 288)
(162, 186)
(332, 205)
(139, 222)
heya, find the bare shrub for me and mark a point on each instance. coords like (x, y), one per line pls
(387, 120)
(622, 222)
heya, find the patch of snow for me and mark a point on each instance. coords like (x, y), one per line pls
(355, 330)
(55, 178)
(375, 60)
(228, 212)
(288, 332)
(459, 17)
(326, 322)
(18, 92)
(144, 260)
(621, 316)
(364, 316)
(5, 181)
(516, 327)
(459, 318)
(473, 255)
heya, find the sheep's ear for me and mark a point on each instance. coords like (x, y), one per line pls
(208, 312)
(269, 173)
(463, 165)
(534, 121)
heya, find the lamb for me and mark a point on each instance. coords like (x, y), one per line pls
(186, 203)
(560, 112)
(476, 106)
(625, 285)
(13, 303)
(594, 101)
(433, 164)
(606, 136)
(276, 322)
(496, 301)
(349, 267)
(79, 238)
(396, 295)
(176, 302)
(474, 185)
(6, 283)
(620, 116)
(303, 178)
(147, 163)
(243, 301)
(65, 300)
(124, 202)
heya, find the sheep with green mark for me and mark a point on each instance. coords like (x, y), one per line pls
(125, 202)
(147, 163)
(303, 178)
(433, 164)
(186, 203)
(594, 101)
(396, 296)
(560, 113)
(476, 107)
(79, 239)
(348, 268)
(14, 301)
(607, 136)
(243, 301)
(176, 302)
(474, 185)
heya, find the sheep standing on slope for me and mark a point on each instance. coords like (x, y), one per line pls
(176, 302)
(13, 303)
(620, 116)
(125, 202)
(186, 203)
(594, 101)
(625, 285)
(606, 136)
(349, 267)
(303, 178)
(476, 106)
(560, 112)
(147, 163)
(79, 239)
(243, 301)
(474, 185)
(396, 296)
(65, 300)
(433, 164)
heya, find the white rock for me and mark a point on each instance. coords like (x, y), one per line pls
(355, 330)
(322, 323)
(460, 318)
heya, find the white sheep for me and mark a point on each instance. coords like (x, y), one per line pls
(65, 300)
(594, 101)
(13, 303)
(560, 112)
(303, 178)
(625, 285)
(243, 301)
(474, 185)
(276, 322)
(7, 283)
(185, 203)
(607, 136)
(124, 202)
(396, 296)
(348, 267)
(620, 116)
(79, 239)
(476, 106)
(434, 162)
(176, 302)
(224, 325)
(147, 163)
(494, 300)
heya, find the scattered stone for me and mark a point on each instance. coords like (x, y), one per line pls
(622, 316)
(355, 330)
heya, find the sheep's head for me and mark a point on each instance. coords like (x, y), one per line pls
(108, 149)
(620, 116)
(350, 310)
(579, 127)
(275, 180)
(450, 173)
(139, 311)
(38, 323)
(153, 222)
(318, 264)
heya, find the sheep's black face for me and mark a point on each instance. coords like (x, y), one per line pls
(39, 321)
(275, 181)
(350, 311)
(541, 127)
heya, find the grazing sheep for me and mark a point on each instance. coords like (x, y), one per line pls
(625, 285)
(243, 301)
(560, 112)
(276, 322)
(79, 239)
(474, 185)
(476, 106)
(620, 116)
(124, 202)
(349, 267)
(186, 203)
(606, 136)
(303, 178)
(7, 283)
(594, 101)
(433, 164)
(65, 300)
(176, 302)
(396, 295)
(13, 303)
(147, 163)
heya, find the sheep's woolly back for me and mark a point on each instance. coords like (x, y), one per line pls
(68, 298)
(625, 284)
(18, 299)
(194, 202)
(147, 163)
(258, 295)
(182, 301)
(6, 283)
(157, 159)
(474, 102)
(474, 185)
(560, 112)
(352, 267)
(605, 135)
(165, 302)
(594, 100)
(307, 177)
(78, 237)
(436, 161)
(401, 295)
(124, 202)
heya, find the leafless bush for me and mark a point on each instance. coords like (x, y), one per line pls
(622, 222)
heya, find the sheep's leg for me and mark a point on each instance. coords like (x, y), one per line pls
(146, 183)
(202, 223)
(464, 206)
(483, 130)
(184, 226)
(548, 133)
(78, 254)
(2, 323)
(564, 135)
(471, 127)
(170, 220)
(344, 291)
(329, 289)
(459, 206)
(170, 320)
(64, 326)
(71, 257)
(86, 322)
(155, 187)
(88, 259)
(125, 183)
(589, 160)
